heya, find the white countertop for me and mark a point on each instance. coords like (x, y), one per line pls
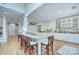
(74, 38)
(38, 38)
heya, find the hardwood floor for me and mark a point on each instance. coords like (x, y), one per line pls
(12, 46)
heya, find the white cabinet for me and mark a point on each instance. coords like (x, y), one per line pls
(69, 24)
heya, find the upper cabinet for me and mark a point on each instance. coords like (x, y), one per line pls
(68, 24)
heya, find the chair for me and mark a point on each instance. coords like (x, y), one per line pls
(31, 47)
(47, 47)
(23, 41)
(27, 44)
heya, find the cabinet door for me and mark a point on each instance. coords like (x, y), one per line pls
(58, 23)
(75, 20)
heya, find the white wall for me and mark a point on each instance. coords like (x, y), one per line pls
(50, 24)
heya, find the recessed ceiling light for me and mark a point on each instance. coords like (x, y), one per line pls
(5, 12)
(38, 18)
(60, 11)
(41, 14)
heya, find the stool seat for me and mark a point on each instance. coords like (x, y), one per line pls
(32, 42)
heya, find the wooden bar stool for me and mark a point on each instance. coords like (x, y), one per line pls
(28, 45)
(22, 39)
(47, 47)
(31, 46)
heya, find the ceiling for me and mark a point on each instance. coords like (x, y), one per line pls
(40, 12)
(10, 14)
(25, 8)
(30, 7)
(53, 11)
(15, 10)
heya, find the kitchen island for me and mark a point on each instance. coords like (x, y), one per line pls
(42, 38)
(73, 38)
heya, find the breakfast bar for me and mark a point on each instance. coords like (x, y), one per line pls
(72, 38)
(43, 38)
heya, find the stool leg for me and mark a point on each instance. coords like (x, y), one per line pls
(32, 47)
(21, 44)
(47, 50)
(52, 48)
(25, 48)
(41, 48)
(29, 50)
(37, 48)
(18, 38)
